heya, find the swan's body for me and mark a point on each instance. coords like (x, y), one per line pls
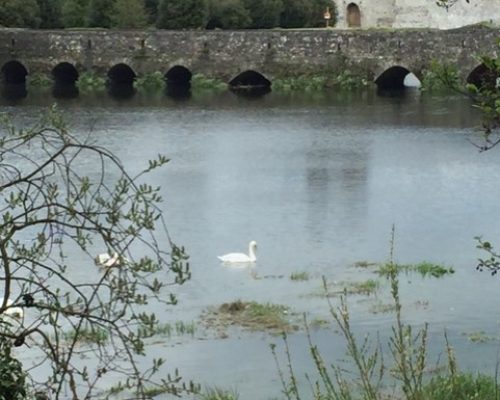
(240, 258)
(106, 261)
(14, 312)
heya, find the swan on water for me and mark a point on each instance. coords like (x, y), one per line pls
(234, 258)
(106, 261)
(15, 312)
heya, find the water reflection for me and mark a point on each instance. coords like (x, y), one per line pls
(65, 91)
(121, 91)
(14, 92)
(252, 92)
(178, 92)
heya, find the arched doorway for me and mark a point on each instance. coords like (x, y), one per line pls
(353, 16)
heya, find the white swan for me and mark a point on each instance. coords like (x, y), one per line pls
(14, 312)
(106, 261)
(238, 258)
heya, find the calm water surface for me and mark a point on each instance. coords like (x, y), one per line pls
(318, 182)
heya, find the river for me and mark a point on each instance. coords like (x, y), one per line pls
(318, 180)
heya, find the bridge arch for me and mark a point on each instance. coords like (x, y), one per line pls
(353, 15)
(121, 74)
(14, 72)
(178, 75)
(249, 79)
(482, 76)
(65, 73)
(393, 77)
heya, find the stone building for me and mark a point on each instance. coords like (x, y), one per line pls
(415, 13)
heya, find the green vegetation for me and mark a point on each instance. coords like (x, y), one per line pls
(165, 14)
(12, 375)
(152, 81)
(87, 335)
(90, 82)
(299, 276)
(251, 315)
(461, 386)
(39, 80)
(367, 287)
(181, 14)
(364, 264)
(111, 209)
(440, 78)
(479, 337)
(219, 394)
(348, 80)
(424, 268)
(201, 82)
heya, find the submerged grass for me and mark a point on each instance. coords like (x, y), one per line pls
(299, 276)
(366, 287)
(250, 315)
(219, 394)
(424, 268)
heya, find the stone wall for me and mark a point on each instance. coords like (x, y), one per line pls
(420, 13)
(225, 54)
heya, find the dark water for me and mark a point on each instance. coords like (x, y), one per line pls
(317, 180)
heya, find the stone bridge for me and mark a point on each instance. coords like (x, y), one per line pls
(243, 57)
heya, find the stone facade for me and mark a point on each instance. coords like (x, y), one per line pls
(416, 13)
(225, 54)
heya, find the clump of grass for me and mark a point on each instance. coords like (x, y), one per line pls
(88, 335)
(89, 82)
(347, 80)
(250, 315)
(201, 82)
(166, 329)
(381, 308)
(299, 276)
(219, 394)
(39, 80)
(367, 287)
(479, 337)
(364, 264)
(424, 268)
(461, 386)
(151, 81)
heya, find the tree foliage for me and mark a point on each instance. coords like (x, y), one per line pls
(228, 14)
(264, 13)
(19, 13)
(50, 14)
(74, 13)
(295, 13)
(100, 13)
(129, 14)
(318, 8)
(181, 14)
(57, 212)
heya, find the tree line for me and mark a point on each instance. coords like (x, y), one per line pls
(165, 14)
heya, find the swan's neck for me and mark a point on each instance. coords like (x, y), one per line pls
(251, 253)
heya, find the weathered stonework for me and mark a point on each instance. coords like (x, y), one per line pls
(225, 54)
(418, 13)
